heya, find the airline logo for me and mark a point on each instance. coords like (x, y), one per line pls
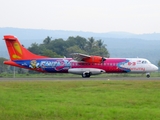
(17, 48)
(137, 69)
(131, 63)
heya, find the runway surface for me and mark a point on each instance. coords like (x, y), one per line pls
(79, 78)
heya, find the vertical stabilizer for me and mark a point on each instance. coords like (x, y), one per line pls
(17, 51)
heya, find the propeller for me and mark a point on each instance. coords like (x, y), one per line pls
(103, 59)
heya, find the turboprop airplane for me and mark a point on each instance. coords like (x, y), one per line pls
(81, 64)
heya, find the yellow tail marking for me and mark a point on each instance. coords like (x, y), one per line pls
(16, 56)
(18, 48)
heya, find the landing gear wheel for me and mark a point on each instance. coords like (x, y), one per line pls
(83, 75)
(148, 75)
(86, 75)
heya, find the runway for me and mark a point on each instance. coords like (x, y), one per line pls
(79, 78)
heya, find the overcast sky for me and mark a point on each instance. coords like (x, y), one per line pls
(135, 16)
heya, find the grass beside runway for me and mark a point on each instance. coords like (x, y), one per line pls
(82, 100)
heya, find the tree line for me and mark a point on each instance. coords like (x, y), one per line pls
(60, 47)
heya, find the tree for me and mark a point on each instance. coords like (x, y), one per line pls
(100, 43)
(102, 50)
(79, 41)
(159, 64)
(60, 47)
(47, 40)
(50, 53)
(74, 49)
(96, 47)
(71, 41)
(90, 44)
(3, 68)
(35, 48)
(20, 71)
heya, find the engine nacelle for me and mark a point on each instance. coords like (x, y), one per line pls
(94, 59)
(80, 71)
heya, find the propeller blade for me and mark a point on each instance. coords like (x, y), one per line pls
(103, 59)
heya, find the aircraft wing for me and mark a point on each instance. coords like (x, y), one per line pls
(79, 56)
(88, 58)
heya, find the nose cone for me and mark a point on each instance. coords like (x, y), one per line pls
(155, 68)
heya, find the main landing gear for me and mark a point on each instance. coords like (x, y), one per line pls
(86, 74)
(148, 75)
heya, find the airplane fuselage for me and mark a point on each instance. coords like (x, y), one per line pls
(68, 65)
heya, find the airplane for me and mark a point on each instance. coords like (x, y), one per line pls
(81, 64)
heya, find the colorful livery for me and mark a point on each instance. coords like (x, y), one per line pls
(81, 64)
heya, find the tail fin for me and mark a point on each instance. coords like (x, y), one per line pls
(17, 51)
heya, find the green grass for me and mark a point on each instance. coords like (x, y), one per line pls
(82, 100)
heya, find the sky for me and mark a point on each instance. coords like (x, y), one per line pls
(100, 16)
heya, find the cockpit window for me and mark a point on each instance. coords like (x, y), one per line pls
(145, 62)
